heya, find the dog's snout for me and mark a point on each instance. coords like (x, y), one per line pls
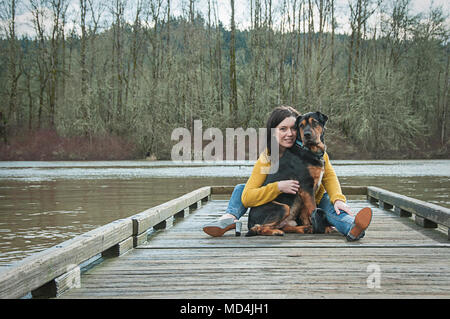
(307, 134)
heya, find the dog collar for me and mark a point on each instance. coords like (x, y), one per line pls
(318, 155)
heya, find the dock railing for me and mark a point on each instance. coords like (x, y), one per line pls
(51, 272)
(54, 270)
(426, 214)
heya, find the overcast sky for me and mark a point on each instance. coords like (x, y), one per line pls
(242, 12)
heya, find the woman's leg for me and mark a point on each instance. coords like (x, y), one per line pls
(235, 206)
(343, 222)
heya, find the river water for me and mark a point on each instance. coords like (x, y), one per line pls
(45, 203)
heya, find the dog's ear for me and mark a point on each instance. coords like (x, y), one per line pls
(297, 124)
(322, 118)
(298, 120)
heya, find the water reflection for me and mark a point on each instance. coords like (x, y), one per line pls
(37, 215)
(46, 171)
(45, 203)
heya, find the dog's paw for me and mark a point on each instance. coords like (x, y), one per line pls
(278, 232)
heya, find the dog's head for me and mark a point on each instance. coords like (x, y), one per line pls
(311, 128)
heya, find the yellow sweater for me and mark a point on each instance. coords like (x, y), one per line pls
(255, 195)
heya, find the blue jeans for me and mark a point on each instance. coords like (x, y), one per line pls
(343, 222)
(235, 206)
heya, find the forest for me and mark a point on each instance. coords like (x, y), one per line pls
(113, 79)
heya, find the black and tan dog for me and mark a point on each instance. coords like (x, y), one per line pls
(302, 162)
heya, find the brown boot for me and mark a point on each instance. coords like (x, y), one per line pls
(362, 221)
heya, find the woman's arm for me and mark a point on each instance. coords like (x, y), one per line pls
(331, 182)
(254, 193)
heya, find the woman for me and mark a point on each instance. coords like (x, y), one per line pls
(329, 196)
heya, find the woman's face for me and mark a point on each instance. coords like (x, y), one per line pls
(286, 133)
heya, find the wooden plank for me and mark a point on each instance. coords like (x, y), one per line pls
(268, 272)
(386, 230)
(155, 215)
(184, 262)
(435, 213)
(38, 269)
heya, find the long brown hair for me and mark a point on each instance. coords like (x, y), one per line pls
(275, 118)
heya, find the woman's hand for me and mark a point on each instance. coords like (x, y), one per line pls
(340, 205)
(289, 186)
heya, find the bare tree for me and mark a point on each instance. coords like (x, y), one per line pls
(233, 76)
(360, 12)
(83, 64)
(117, 11)
(58, 8)
(38, 14)
(444, 103)
(8, 9)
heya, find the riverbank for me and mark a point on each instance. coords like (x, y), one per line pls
(340, 147)
(47, 145)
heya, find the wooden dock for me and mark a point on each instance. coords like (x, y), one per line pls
(405, 254)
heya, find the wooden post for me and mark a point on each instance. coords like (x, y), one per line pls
(157, 216)
(384, 205)
(206, 199)
(196, 205)
(119, 249)
(56, 287)
(139, 239)
(401, 213)
(427, 215)
(372, 200)
(165, 224)
(425, 223)
(182, 213)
